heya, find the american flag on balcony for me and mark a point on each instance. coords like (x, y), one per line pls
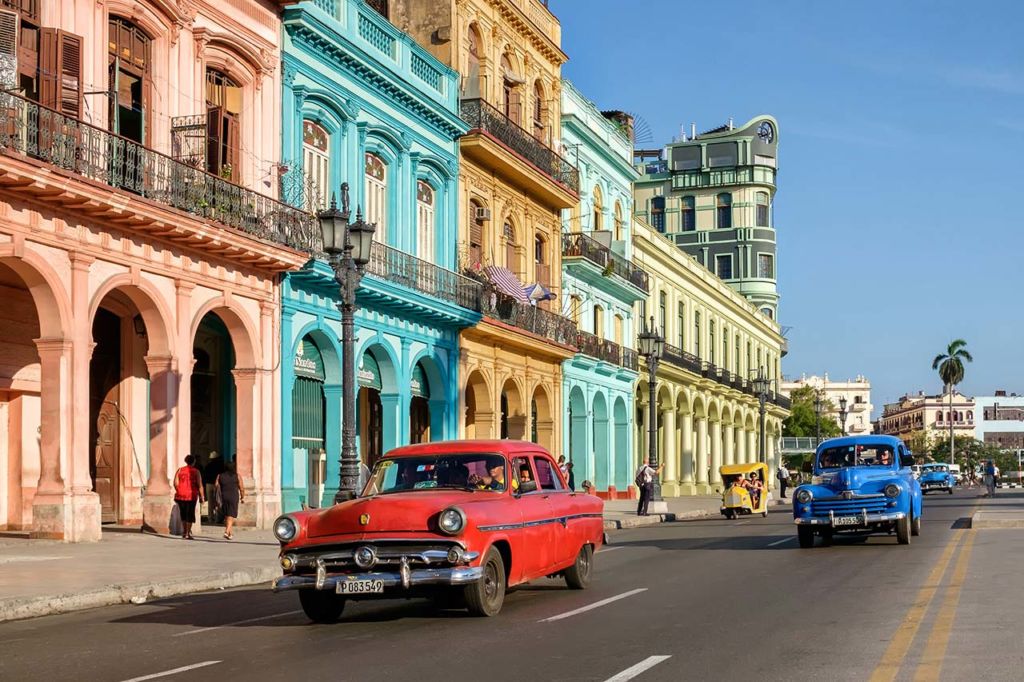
(506, 282)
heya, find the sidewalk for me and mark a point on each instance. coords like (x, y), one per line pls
(43, 577)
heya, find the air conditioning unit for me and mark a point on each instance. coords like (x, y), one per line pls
(482, 213)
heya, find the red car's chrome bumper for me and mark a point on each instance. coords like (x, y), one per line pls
(405, 578)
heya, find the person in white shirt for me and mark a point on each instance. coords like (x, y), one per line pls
(644, 480)
(783, 475)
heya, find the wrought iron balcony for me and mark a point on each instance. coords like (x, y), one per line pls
(681, 358)
(29, 128)
(401, 268)
(602, 349)
(581, 245)
(783, 401)
(529, 318)
(482, 116)
(630, 359)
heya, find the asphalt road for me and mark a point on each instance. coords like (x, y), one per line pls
(698, 600)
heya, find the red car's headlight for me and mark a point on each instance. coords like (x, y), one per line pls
(285, 529)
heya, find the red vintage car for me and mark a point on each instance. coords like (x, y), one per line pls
(474, 517)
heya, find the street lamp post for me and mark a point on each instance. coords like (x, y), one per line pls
(842, 414)
(761, 385)
(818, 407)
(652, 346)
(348, 248)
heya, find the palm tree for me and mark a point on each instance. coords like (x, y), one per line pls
(951, 370)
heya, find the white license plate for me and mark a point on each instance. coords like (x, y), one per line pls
(933, 485)
(359, 587)
(846, 521)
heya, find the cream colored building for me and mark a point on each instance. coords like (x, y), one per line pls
(858, 399)
(928, 413)
(715, 341)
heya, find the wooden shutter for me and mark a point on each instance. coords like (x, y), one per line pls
(234, 145)
(476, 230)
(60, 71)
(214, 116)
(8, 49)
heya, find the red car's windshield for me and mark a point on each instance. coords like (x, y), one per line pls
(429, 472)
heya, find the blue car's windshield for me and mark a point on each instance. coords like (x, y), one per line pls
(856, 455)
(935, 469)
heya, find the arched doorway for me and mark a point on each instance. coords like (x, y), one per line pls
(601, 443)
(419, 406)
(377, 404)
(513, 421)
(542, 423)
(578, 454)
(621, 437)
(213, 397)
(309, 426)
(479, 420)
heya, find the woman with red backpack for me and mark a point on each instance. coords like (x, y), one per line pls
(188, 489)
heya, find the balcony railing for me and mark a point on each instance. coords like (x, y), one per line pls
(681, 358)
(580, 245)
(401, 268)
(529, 318)
(602, 349)
(630, 359)
(482, 116)
(72, 145)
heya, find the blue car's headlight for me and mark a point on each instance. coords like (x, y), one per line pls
(892, 490)
(803, 496)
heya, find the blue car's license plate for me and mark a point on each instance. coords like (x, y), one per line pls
(846, 521)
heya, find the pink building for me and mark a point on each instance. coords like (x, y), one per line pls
(140, 248)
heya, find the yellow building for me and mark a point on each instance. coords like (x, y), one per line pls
(513, 186)
(715, 341)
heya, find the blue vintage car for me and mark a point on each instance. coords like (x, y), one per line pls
(936, 477)
(861, 485)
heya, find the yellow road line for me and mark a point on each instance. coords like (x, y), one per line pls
(930, 666)
(900, 643)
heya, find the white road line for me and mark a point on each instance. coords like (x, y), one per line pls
(237, 622)
(609, 549)
(779, 542)
(633, 671)
(165, 673)
(741, 523)
(595, 605)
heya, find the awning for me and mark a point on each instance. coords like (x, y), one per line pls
(369, 372)
(505, 281)
(419, 385)
(308, 361)
(538, 292)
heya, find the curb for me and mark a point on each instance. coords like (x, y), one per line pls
(654, 519)
(32, 607)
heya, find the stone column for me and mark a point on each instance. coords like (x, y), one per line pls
(51, 508)
(773, 464)
(670, 478)
(753, 454)
(163, 396)
(702, 454)
(332, 445)
(729, 444)
(517, 427)
(245, 414)
(741, 445)
(716, 453)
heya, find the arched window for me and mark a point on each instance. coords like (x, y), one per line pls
(598, 321)
(658, 214)
(938, 416)
(425, 221)
(688, 208)
(130, 60)
(723, 210)
(538, 110)
(472, 84)
(509, 234)
(376, 191)
(762, 209)
(768, 312)
(509, 90)
(316, 165)
(618, 221)
(598, 210)
(223, 124)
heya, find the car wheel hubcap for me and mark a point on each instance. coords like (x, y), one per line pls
(584, 562)
(490, 582)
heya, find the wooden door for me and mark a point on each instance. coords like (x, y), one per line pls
(105, 478)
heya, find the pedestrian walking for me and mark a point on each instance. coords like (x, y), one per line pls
(990, 478)
(188, 490)
(783, 475)
(570, 477)
(644, 480)
(230, 493)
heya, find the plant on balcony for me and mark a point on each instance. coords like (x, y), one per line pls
(608, 270)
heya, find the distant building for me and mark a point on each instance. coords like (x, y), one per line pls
(856, 391)
(928, 413)
(999, 420)
(712, 196)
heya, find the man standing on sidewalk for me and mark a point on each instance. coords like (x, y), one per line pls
(990, 478)
(783, 475)
(644, 480)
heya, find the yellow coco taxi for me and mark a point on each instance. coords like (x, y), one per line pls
(741, 492)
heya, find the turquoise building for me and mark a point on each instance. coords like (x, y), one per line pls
(364, 104)
(601, 284)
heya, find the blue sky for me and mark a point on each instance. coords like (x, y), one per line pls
(901, 162)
